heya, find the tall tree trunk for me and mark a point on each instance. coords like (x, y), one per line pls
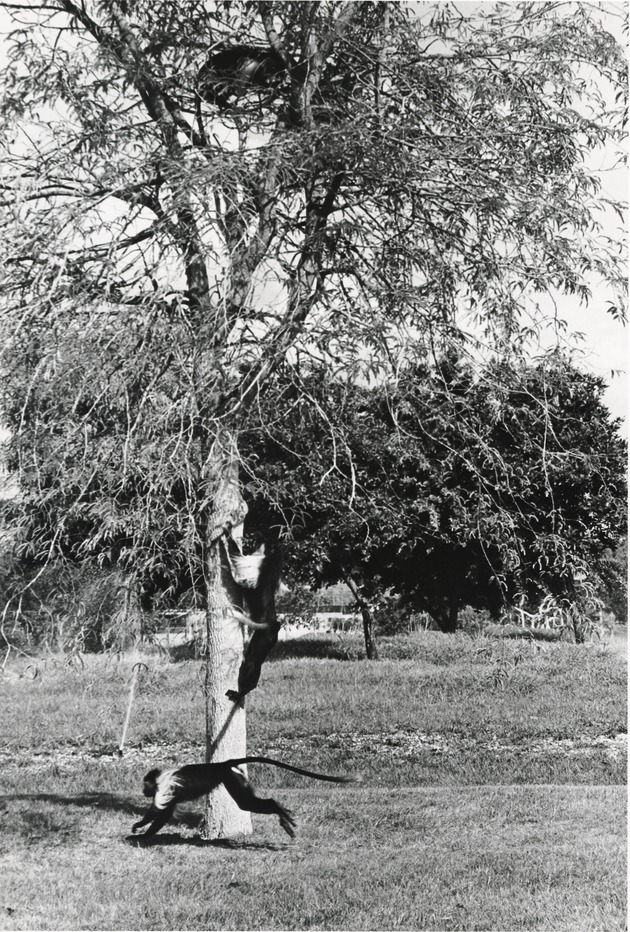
(446, 617)
(371, 651)
(368, 635)
(226, 735)
(443, 608)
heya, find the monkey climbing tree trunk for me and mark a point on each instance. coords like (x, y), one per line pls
(225, 720)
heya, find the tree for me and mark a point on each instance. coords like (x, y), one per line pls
(171, 238)
(538, 484)
(457, 486)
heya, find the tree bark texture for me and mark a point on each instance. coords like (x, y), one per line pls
(226, 735)
(371, 651)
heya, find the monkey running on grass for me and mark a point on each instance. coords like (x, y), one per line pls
(170, 787)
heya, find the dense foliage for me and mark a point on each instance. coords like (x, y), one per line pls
(456, 486)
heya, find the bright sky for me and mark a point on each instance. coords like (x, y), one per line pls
(605, 351)
(606, 340)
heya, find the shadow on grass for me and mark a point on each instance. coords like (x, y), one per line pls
(111, 802)
(293, 649)
(165, 839)
(316, 648)
(107, 801)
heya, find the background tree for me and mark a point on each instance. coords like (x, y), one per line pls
(536, 489)
(455, 486)
(406, 181)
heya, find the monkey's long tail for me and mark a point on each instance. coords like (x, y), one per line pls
(304, 773)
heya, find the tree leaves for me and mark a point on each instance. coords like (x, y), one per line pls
(455, 486)
(416, 177)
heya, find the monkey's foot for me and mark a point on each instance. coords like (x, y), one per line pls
(287, 822)
(234, 696)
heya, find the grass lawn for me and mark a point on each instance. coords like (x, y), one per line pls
(493, 794)
(543, 857)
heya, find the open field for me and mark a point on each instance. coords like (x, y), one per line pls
(493, 794)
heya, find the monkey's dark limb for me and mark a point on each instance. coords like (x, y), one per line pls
(148, 817)
(260, 644)
(158, 818)
(239, 788)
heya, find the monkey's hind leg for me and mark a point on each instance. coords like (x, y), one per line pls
(237, 785)
(260, 644)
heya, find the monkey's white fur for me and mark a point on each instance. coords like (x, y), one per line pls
(166, 785)
(246, 567)
(244, 619)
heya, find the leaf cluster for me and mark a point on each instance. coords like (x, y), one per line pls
(455, 486)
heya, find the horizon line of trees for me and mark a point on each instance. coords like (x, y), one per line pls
(459, 485)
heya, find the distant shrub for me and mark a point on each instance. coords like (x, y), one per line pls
(326, 646)
(473, 621)
(298, 606)
(391, 618)
(69, 607)
(401, 647)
